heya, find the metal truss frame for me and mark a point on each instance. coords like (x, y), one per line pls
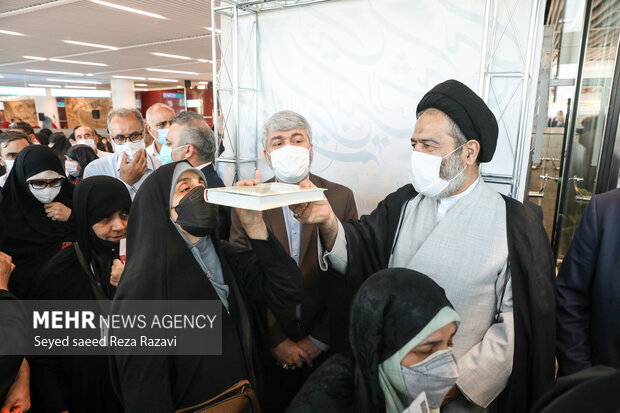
(226, 77)
(232, 57)
(491, 42)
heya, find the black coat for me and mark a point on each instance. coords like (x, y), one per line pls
(369, 244)
(589, 290)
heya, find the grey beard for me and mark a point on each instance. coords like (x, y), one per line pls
(450, 168)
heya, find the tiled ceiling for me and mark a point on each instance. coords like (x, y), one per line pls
(45, 26)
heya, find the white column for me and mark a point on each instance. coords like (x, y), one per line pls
(123, 94)
(47, 105)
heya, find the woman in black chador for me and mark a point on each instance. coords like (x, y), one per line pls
(173, 253)
(35, 213)
(86, 270)
(401, 333)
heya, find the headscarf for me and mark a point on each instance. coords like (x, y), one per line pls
(26, 224)
(95, 199)
(468, 111)
(203, 251)
(159, 263)
(393, 311)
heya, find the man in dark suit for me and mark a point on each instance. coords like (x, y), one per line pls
(588, 297)
(190, 138)
(298, 337)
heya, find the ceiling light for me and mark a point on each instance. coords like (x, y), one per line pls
(156, 79)
(211, 30)
(141, 84)
(74, 81)
(171, 71)
(39, 85)
(11, 33)
(129, 9)
(80, 87)
(204, 83)
(22, 91)
(205, 61)
(54, 72)
(1, 76)
(102, 46)
(81, 93)
(141, 90)
(35, 58)
(89, 74)
(77, 62)
(174, 56)
(129, 77)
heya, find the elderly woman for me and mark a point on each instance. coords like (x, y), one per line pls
(173, 253)
(35, 212)
(401, 333)
(87, 270)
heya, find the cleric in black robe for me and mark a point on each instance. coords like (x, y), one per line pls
(396, 311)
(489, 252)
(30, 236)
(81, 384)
(184, 260)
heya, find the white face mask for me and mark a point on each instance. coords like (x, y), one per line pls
(45, 195)
(9, 165)
(434, 376)
(89, 142)
(71, 168)
(290, 163)
(130, 148)
(424, 173)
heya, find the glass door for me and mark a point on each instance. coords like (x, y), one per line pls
(576, 79)
(586, 125)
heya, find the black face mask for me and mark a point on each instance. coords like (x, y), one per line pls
(196, 216)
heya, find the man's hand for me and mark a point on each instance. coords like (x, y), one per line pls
(117, 271)
(6, 268)
(133, 171)
(57, 211)
(18, 396)
(310, 348)
(252, 221)
(290, 355)
(319, 213)
(450, 396)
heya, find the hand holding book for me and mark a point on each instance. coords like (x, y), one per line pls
(251, 220)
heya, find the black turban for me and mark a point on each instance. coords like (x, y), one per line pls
(468, 111)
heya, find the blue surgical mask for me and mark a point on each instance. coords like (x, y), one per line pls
(161, 136)
(165, 154)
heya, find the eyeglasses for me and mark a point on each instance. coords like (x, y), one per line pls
(55, 183)
(134, 137)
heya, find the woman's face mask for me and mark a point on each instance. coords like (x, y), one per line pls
(435, 376)
(196, 216)
(72, 168)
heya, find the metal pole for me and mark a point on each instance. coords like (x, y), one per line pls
(236, 89)
(525, 97)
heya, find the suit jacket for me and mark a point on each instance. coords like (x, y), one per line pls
(214, 181)
(588, 290)
(282, 323)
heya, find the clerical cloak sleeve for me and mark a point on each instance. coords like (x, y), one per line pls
(371, 238)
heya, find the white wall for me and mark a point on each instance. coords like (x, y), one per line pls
(357, 69)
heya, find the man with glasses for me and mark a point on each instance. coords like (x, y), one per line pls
(158, 120)
(10, 144)
(130, 163)
(85, 135)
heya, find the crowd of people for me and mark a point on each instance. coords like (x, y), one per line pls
(446, 291)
